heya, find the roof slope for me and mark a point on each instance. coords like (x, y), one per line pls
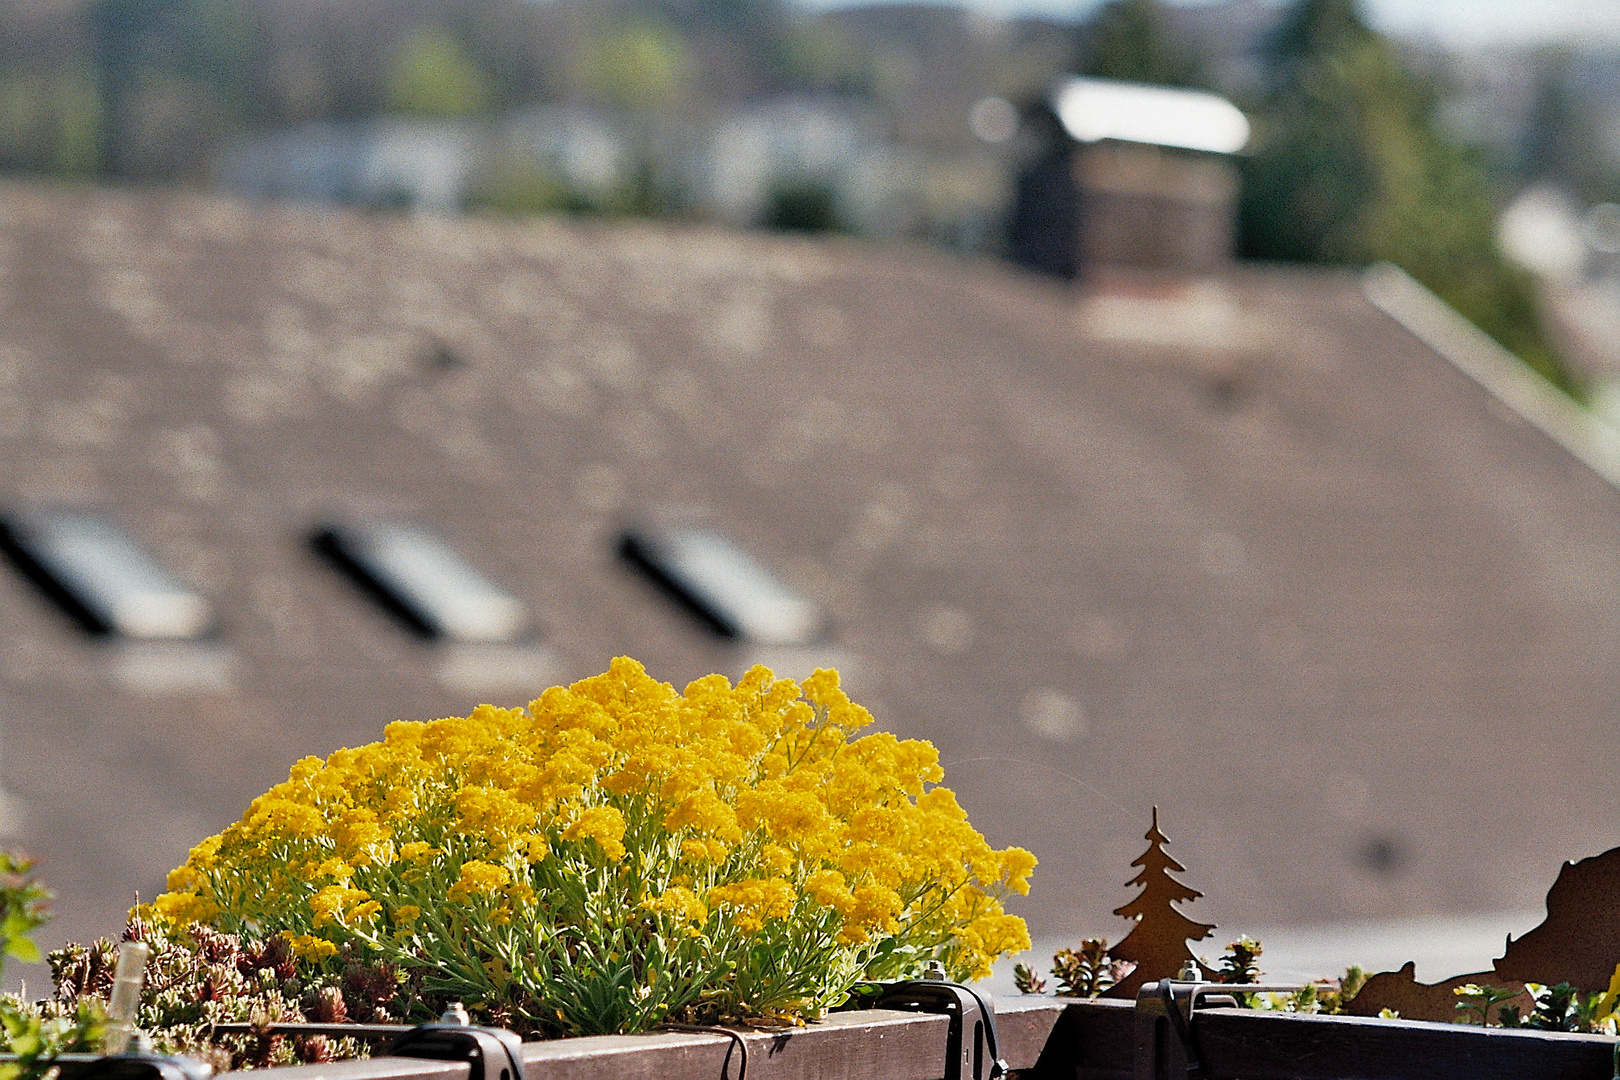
(1241, 548)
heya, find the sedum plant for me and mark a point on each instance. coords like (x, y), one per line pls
(1090, 971)
(1026, 981)
(1241, 964)
(619, 854)
(199, 978)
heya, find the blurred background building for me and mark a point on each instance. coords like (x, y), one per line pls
(369, 360)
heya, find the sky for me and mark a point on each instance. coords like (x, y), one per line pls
(1497, 21)
(1453, 22)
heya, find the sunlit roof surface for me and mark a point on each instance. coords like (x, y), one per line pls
(103, 578)
(420, 578)
(724, 586)
(1095, 109)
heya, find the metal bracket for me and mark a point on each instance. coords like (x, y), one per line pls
(1166, 1007)
(492, 1053)
(138, 1065)
(970, 1048)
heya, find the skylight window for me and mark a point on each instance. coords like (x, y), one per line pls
(103, 578)
(723, 586)
(1096, 109)
(418, 578)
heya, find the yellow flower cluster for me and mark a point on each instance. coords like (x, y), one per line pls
(742, 815)
(755, 900)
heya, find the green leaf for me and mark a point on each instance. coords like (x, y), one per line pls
(23, 949)
(1606, 1006)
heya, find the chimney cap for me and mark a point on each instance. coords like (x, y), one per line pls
(1092, 109)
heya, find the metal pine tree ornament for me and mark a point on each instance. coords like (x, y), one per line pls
(1158, 943)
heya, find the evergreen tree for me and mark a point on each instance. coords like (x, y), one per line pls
(1128, 39)
(1348, 166)
(1315, 28)
(1158, 943)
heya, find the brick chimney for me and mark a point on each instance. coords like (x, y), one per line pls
(1155, 207)
(1126, 174)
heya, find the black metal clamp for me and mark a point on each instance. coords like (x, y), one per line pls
(138, 1064)
(490, 1053)
(1166, 1006)
(970, 1048)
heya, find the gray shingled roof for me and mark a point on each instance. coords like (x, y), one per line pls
(1243, 548)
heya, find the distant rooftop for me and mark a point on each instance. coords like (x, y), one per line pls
(1233, 544)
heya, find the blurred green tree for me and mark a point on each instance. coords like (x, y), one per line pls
(167, 72)
(1348, 165)
(50, 118)
(643, 66)
(1130, 40)
(802, 204)
(433, 76)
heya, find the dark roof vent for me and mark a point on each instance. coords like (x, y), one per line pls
(436, 355)
(420, 580)
(102, 578)
(722, 586)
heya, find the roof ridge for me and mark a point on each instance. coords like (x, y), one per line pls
(1588, 438)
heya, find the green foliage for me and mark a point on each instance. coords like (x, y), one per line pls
(1474, 1000)
(1309, 999)
(1311, 28)
(521, 186)
(22, 908)
(1326, 996)
(641, 65)
(1335, 998)
(1347, 165)
(814, 55)
(50, 119)
(805, 205)
(78, 124)
(433, 76)
(1089, 972)
(1127, 39)
(1561, 1008)
(1239, 966)
(1553, 1008)
(35, 1034)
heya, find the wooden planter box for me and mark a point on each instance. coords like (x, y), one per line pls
(1046, 1039)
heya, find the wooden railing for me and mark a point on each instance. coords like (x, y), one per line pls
(1046, 1039)
(1097, 1040)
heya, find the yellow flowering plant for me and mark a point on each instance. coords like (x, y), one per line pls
(620, 853)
